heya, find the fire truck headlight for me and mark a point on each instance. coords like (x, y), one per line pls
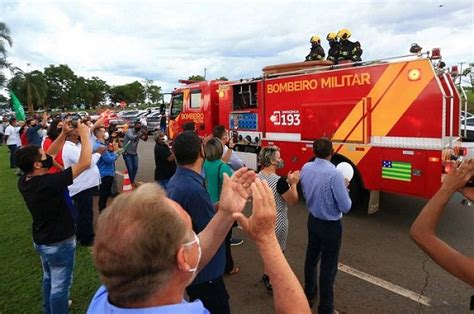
(414, 74)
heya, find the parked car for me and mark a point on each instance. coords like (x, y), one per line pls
(467, 125)
(153, 121)
(133, 116)
(82, 114)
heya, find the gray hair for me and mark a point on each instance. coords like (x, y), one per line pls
(267, 155)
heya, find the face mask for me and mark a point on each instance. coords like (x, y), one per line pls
(137, 129)
(280, 164)
(60, 130)
(106, 135)
(196, 240)
(48, 162)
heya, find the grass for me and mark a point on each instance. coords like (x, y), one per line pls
(20, 268)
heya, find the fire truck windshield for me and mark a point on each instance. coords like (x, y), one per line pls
(176, 105)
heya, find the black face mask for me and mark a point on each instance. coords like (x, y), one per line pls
(48, 162)
(138, 128)
(59, 130)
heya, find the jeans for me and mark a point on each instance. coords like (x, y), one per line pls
(131, 162)
(13, 149)
(324, 243)
(57, 260)
(213, 294)
(105, 190)
(85, 216)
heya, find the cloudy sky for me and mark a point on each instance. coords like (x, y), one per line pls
(121, 41)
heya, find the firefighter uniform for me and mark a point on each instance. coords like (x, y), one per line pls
(317, 52)
(334, 53)
(349, 50)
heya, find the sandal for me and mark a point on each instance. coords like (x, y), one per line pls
(267, 284)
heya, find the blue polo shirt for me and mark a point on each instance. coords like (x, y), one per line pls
(101, 304)
(187, 188)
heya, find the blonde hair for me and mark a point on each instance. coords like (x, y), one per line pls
(136, 241)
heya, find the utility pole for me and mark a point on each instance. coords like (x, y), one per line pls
(460, 71)
(205, 71)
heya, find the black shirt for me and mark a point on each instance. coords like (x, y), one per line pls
(46, 197)
(164, 169)
(282, 186)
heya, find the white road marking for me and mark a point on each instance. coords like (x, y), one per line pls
(386, 285)
(119, 173)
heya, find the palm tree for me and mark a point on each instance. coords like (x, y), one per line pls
(30, 87)
(5, 38)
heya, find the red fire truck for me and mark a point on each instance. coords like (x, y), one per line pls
(395, 121)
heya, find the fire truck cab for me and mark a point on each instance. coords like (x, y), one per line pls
(394, 121)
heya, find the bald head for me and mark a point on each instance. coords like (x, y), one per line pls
(136, 241)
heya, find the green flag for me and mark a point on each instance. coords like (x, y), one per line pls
(20, 112)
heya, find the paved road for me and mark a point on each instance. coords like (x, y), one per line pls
(376, 245)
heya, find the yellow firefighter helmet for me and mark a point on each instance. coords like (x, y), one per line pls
(315, 39)
(344, 34)
(331, 36)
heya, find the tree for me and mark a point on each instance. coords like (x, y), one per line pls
(5, 39)
(98, 90)
(152, 92)
(79, 93)
(31, 88)
(196, 78)
(60, 81)
(130, 93)
(222, 78)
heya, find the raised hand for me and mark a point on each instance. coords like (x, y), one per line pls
(261, 224)
(236, 190)
(67, 127)
(293, 177)
(459, 175)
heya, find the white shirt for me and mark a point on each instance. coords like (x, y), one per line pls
(87, 179)
(13, 135)
(143, 121)
(234, 161)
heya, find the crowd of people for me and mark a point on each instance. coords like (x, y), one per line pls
(171, 237)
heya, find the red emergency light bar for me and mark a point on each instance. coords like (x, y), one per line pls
(436, 53)
(454, 70)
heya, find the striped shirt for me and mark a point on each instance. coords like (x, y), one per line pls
(279, 187)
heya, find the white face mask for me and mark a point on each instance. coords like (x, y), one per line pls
(106, 136)
(196, 240)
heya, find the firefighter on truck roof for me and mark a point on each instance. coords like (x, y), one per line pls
(334, 53)
(349, 50)
(317, 52)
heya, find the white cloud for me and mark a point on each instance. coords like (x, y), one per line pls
(121, 41)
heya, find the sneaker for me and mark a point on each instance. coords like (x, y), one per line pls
(235, 241)
(267, 284)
